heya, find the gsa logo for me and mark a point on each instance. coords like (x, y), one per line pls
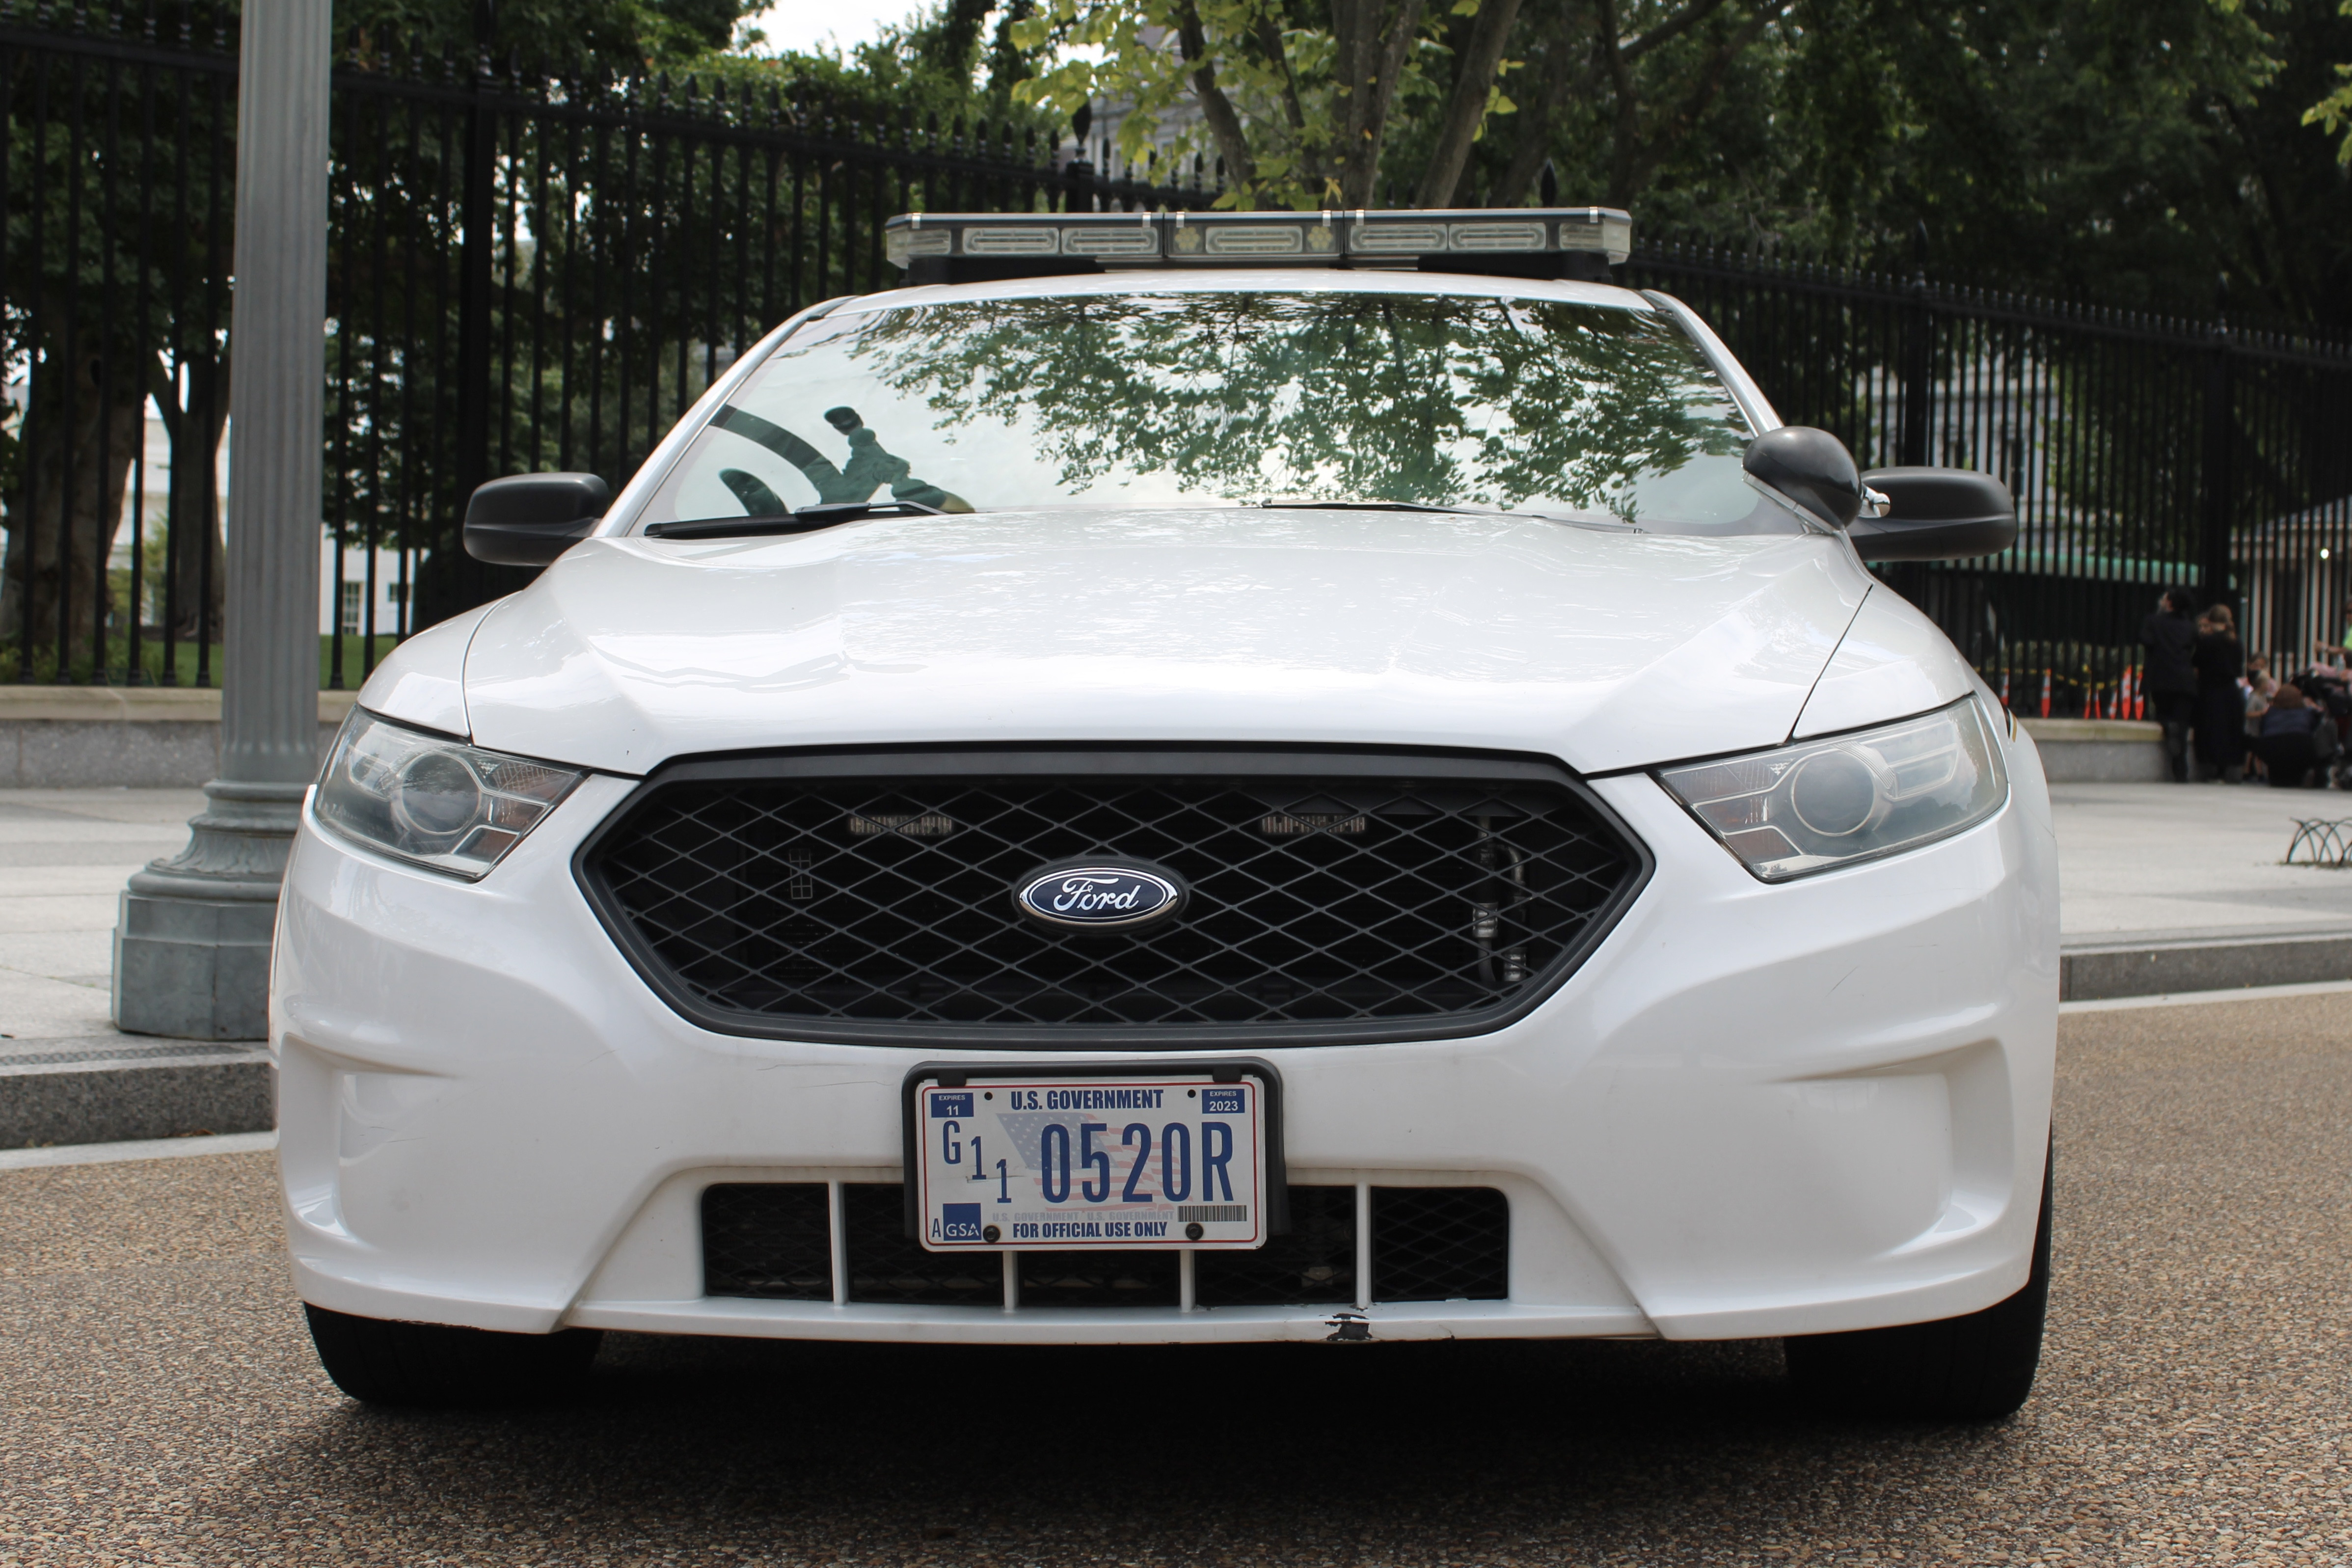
(959, 1222)
(1099, 897)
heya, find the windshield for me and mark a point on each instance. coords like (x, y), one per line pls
(1580, 411)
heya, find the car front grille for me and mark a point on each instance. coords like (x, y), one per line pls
(772, 1240)
(1332, 896)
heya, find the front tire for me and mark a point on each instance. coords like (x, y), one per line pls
(1979, 1367)
(435, 1365)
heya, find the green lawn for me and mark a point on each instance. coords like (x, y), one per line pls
(184, 664)
(354, 667)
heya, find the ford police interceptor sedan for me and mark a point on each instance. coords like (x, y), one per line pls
(1190, 778)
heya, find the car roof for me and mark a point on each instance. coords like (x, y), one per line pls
(1252, 279)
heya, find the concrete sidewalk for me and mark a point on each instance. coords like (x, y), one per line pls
(66, 1075)
(2166, 887)
(2173, 888)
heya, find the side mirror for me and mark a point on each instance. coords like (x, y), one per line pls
(1810, 467)
(529, 519)
(1936, 514)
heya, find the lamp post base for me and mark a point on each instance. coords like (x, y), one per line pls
(192, 940)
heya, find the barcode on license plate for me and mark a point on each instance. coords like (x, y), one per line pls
(1212, 1214)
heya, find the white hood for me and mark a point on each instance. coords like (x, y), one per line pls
(1605, 650)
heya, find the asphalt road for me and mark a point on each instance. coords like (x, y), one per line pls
(159, 1405)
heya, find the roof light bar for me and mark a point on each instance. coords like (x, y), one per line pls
(1532, 241)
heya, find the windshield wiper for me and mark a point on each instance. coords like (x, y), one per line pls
(809, 519)
(1287, 505)
(1580, 521)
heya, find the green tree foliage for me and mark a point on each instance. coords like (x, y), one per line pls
(2077, 142)
(2130, 150)
(1297, 99)
(2333, 113)
(1632, 94)
(621, 36)
(951, 62)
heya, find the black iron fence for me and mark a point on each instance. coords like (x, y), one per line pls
(528, 268)
(2143, 453)
(535, 269)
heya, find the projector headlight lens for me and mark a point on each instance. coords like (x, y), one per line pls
(1831, 802)
(431, 800)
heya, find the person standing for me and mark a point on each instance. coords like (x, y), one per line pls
(2170, 638)
(2220, 662)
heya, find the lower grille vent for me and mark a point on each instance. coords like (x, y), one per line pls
(1438, 1243)
(772, 1240)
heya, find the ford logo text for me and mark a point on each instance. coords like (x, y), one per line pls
(1099, 897)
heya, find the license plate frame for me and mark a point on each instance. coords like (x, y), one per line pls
(1259, 1077)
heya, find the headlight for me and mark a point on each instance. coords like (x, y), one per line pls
(1829, 803)
(432, 800)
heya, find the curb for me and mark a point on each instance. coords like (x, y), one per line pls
(122, 1088)
(49, 1157)
(145, 737)
(2099, 751)
(2090, 974)
(138, 704)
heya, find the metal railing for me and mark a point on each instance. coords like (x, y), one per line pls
(2143, 453)
(528, 268)
(535, 269)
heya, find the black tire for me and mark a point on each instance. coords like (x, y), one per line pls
(1980, 1367)
(433, 1364)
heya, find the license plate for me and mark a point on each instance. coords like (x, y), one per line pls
(1170, 1160)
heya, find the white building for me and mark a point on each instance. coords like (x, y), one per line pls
(343, 605)
(2298, 581)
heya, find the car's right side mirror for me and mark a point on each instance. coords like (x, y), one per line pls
(529, 519)
(1936, 514)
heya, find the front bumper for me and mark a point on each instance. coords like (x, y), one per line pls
(1754, 1111)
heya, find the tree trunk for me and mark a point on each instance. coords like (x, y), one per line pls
(1225, 121)
(198, 593)
(1372, 40)
(1563, 40)
(1465, 107)
(62, 519)
(1640, 145)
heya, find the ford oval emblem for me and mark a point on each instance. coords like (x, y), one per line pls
(1100, 896)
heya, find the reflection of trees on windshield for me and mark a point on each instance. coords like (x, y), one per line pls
(869, 467)
(1440, 400)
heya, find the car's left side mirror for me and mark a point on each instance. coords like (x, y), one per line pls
(529, 519)
(1936, 514)
(1810, 469)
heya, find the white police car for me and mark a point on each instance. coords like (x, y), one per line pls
(1190, 778)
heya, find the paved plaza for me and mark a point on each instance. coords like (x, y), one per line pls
(2172, 862)
(66, 1075)
(64, 856)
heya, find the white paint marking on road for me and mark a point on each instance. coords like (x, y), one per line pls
(2198, 998)
(145, 1149)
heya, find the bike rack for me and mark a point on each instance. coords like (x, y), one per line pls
(2329, 843)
